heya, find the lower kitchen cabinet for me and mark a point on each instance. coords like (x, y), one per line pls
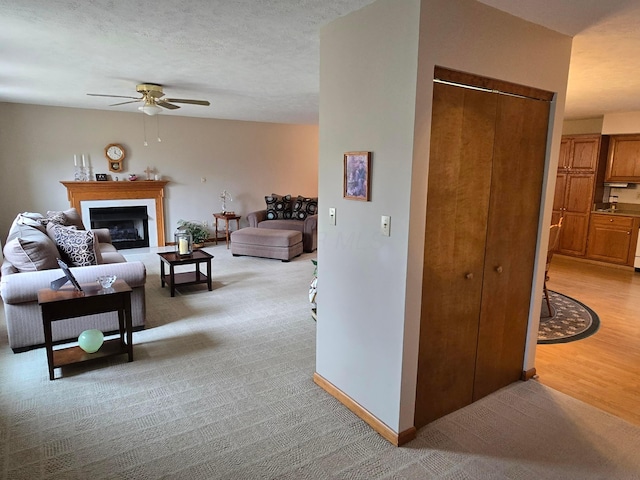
(612, 238)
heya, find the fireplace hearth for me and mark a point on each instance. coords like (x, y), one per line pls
(128, 226)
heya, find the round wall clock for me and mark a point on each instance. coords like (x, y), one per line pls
(115, 155)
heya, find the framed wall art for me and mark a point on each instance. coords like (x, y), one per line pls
(357, 176)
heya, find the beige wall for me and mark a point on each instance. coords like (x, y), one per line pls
(621, 123)
(374, 96)
(582, 126)
(248, 159)
(608, 124)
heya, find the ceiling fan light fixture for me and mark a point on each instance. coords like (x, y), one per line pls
(150, 109)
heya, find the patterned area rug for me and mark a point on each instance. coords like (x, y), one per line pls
(570, 320)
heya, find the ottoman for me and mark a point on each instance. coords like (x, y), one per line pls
(267, 243)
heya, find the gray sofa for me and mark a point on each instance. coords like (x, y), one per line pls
(30, 264)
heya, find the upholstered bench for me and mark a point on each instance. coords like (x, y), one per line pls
(264, 242)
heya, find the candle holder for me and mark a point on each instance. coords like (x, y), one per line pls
(82, 174)
(183, 243)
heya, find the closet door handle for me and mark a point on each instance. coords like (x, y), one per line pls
(499, 269)
(469, 276)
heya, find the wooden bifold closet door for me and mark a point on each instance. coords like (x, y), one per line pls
(483, 203)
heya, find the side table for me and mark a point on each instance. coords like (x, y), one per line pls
(226, 217)
(70, 303)
(185, 278)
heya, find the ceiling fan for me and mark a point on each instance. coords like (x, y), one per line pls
(152, 97)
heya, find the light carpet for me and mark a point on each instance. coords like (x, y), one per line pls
(221, 388)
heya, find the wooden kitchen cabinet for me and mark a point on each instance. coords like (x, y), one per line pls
(623, 160)
(612, 238)
(579, 182)
(579, 153)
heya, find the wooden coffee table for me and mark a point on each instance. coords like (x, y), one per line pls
(185, 278)
(70, 303)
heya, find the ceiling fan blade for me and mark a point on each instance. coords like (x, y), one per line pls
(124, 103)
(186, 100)
(112, 96)
(165, 104)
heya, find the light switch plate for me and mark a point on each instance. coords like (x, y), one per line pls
(332, 216)
(385, 225)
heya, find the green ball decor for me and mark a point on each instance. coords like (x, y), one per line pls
(91, 340)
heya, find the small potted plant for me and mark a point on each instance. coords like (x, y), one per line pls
(199, 233)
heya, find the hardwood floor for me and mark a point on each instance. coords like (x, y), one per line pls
(604, 369)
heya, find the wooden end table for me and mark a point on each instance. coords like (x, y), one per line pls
(186, 278)
(226, 217)
(70, 303)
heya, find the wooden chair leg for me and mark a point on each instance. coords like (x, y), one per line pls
(546, 296)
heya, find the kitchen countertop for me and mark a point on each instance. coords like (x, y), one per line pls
(626, 209)
(625, 213)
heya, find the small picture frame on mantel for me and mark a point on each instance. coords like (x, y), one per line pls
(101, 177)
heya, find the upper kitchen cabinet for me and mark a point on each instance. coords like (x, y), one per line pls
(579, 153)
(623, 162)
(580, 180)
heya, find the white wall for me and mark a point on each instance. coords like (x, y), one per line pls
(368, 66)
(370, 286)
(249, 159)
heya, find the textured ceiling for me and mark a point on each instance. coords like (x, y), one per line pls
(258, 59)
(604, 75)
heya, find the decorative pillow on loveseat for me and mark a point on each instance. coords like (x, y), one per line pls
(78, 247)
(304, 207)
(31, 250)
(69, 217)
(55, 218)
(32, 219)
(278, 206)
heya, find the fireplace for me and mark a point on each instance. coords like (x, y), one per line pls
(149, 193)
(128, 226)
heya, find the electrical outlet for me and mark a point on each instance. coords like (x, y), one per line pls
(385, 225)
(332, 216)
(205, 223)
